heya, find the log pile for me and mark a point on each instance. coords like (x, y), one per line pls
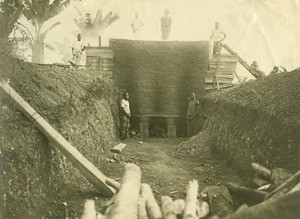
(277, 195)
(135, 200)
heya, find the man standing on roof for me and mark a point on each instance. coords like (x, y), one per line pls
(125, 116)
(217, 36)
(77, 49)
(136, 26)
(165, 23)
(192, 112)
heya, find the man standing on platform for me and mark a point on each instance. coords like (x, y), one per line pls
(192, 112)
(217, 36)
(136, 26)
(125, 116)
(165, 23)
(77, 49)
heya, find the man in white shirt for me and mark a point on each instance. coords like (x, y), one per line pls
(217, 36)
(77, 49)
(136, 26)
(125, 116)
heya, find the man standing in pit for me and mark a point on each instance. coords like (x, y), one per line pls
(165, 23)
(125, 116)
(192, 112)
(77, 49)
(217, 36)
(136, 26)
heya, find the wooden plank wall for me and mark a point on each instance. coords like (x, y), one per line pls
(222, 71)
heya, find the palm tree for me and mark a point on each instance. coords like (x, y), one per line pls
(94, 28)
(10, 11)
(38, 12)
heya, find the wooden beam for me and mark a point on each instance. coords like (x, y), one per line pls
(241, 61)
(231, 76)
(250, 194)
(95, 176)
(118, 148)
(212, 79)
(221, 72)
(211, 87)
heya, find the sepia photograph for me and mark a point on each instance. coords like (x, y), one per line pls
(149, 109)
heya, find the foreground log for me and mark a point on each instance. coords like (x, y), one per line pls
(179, 206)
(126, 200)
(260, 182)
(261, 170)
(287, 185)
(219, 199)
(295, 189)
(190, 210)
(202, 209)
(89, 211)
(279, 176)
(168, 208)
(142, 212)
(152, 207)
(286, 207)
(246, 193)
(116, 185)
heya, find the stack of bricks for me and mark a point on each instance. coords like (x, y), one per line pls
(159, 76)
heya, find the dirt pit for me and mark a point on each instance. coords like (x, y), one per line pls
(38, 181)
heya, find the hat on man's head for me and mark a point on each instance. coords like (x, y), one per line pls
(88, 14)
(166, 11)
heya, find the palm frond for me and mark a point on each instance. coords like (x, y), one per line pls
(28, 10)
(25, 32)
(49, 46)
(98, 17)
(50, 28)
(113, 19)
(56, 7)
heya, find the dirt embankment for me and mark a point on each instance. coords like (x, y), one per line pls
(35, 177)
(256, 121)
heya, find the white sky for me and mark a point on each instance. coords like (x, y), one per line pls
(264, 30)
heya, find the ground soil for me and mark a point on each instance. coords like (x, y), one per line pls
(38, 181)
(257, 121)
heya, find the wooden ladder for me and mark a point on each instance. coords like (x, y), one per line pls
(216, 73)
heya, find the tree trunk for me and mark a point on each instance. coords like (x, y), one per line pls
(38, 50)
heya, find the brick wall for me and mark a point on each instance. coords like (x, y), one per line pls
(159, 76)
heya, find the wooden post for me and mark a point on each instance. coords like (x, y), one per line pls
(144, 126)
(96, 177)
(171, 124)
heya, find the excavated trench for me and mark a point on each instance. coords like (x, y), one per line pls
(244, 124)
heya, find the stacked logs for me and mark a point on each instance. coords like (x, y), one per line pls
(135, 200)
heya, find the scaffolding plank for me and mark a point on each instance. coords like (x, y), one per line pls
(212, 87)
(95, 176)
(118, 148)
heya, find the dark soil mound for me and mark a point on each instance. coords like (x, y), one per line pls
(256, 121)
(81, 106)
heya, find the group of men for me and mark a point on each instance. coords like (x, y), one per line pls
(192, 113)
(217, 35)
(255, 69)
